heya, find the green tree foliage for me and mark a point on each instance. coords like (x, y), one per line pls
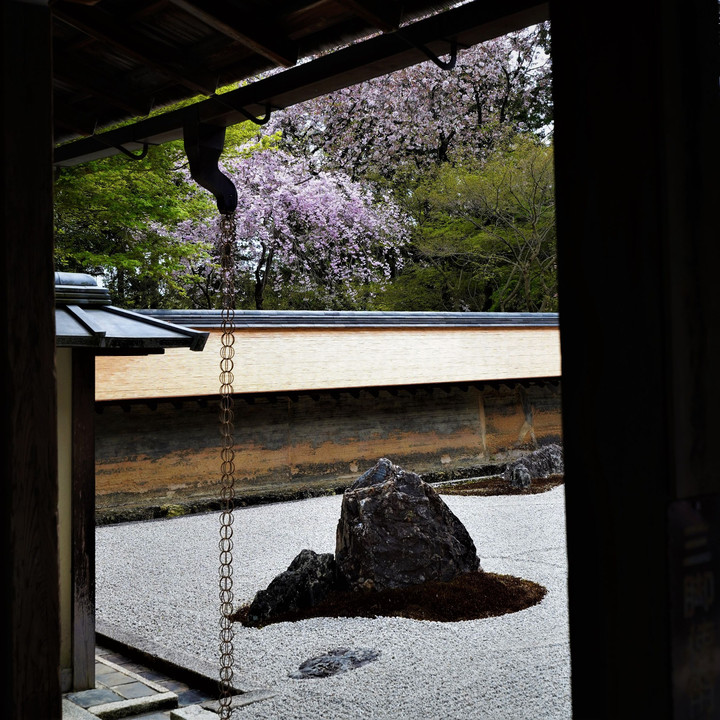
(111, 217)
(485, 236)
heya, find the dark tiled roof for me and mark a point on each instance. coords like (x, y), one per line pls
(329, 318)
(85, 317)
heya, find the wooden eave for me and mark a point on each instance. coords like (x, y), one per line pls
(149, 56)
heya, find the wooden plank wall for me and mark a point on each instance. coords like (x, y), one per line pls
(293, 359)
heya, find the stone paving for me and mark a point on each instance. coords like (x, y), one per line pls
(126, 689)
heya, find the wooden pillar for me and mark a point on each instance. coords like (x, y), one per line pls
(637, 157)
(83, 519)
(30, 620)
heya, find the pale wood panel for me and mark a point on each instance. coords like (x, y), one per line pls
(275, 360)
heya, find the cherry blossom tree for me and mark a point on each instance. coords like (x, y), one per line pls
(425, 132)
(303, 238)
(424, 116)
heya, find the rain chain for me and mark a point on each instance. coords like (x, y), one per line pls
(227, 480)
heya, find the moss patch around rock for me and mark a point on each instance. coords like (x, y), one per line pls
(470, 596)
(499, 486)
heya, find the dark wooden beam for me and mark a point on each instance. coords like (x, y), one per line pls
(77, 80)
(82, 125)
(30, 633)
(83, 519)
(259, 34)
(105, 29)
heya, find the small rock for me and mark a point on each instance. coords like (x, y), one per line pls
(333, 662)
(518, 476)
(395, 530)
(546, 461)
(306, 582)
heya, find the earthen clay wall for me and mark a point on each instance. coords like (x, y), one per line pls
(167, 452)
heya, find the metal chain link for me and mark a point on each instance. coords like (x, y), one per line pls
(227, 480)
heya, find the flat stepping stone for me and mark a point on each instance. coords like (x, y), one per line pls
(129, 695)
(95, 696)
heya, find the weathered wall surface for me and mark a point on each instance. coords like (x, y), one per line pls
(168, 452)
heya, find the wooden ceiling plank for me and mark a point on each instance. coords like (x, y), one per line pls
(76, 122)
(385, 16)
(88, 23)
(313, 17)
(129, 105)
(467, 24)
(249, 32)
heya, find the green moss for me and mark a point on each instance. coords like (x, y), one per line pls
(173, 510)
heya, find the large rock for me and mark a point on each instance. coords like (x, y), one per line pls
(395, 531)
(306, 582)
(546, 461)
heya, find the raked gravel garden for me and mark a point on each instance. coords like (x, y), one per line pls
(157, 590)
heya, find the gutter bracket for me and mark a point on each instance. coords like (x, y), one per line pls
(225, 100)
(442, 64)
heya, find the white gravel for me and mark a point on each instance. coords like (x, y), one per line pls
(157, 589)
